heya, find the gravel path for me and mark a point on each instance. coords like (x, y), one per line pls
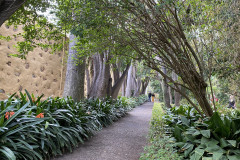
(123, 140)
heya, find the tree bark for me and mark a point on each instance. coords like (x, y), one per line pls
(118, 83)
(144, 85)
(101, 85)
(101, 78)
(109, 87)
(163, 30)
(138, 87)
(124, 87)
(88, 80)
(115, 72)
(75, 74)
(8, 7)
(170, 95)
(129, 82)
(165, 90)
(177, 95)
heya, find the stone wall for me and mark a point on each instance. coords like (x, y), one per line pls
(40, 73)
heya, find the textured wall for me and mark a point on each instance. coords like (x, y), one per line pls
(40, 73)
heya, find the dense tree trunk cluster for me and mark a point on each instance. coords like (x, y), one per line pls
(135, 86)
(101, 83)
(101, 80)
(154, 29)
(104, 79)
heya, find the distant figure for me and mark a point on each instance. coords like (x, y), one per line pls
(149, 96)
(231, 102)
(215, 99)
(153, 96)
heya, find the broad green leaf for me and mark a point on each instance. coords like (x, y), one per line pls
(232, 142)
(234, 157)
(237, 132)
(211, 142)
(207, 158)
(217, 155)
(204, 140)
(188, 150)
(235, 151)
(184, 120)
(197, 154)
(177, 133)
(205, 133)
(223, 143)
(196, 133)
(213, 148)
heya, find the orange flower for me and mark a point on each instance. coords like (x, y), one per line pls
(9, 114)
(40, 115)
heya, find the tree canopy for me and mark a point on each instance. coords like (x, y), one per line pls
(196, 40)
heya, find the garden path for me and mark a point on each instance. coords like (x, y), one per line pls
(123, 140)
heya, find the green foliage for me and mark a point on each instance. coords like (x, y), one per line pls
(159, 148)
(223, 109)
(37, 30)
(34, 129)
(195, 138)
(157, 88)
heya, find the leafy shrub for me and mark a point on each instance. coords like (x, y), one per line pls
(135, 101)
(35, 129)
(223, 109)
(197, 138)
(159, 147)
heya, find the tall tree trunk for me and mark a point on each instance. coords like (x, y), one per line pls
(88, 80)
(109, 87)
(101, 78)
(138, 87)
(124, 87)
(144, 85)
(118, 83)
(170, 95)
(116, 72)
(200, 95)
(134, 82)
(165, 90)
(177, 95)
(129, 82)
(75, 74)
(8, 7)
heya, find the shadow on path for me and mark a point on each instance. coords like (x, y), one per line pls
(123, 140)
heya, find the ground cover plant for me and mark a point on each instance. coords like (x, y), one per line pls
(182, 130)
(159, 147)
(197, 138)
(34, 129)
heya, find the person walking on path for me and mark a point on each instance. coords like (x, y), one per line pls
(149, 96)
(153, 96)
(231, 102)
